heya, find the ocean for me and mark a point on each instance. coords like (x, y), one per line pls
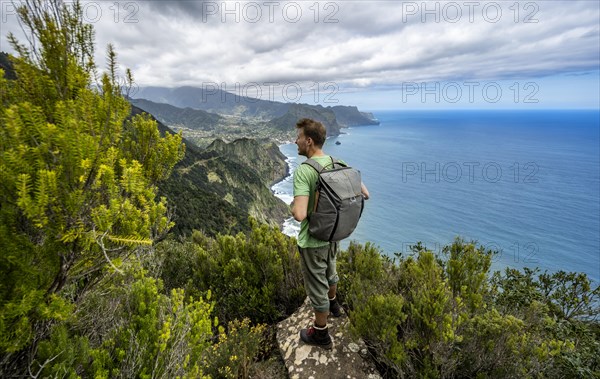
(523, 183)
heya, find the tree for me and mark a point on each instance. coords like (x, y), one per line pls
(77, 174)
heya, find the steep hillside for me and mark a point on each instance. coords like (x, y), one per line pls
(266, 158)
(215, 191)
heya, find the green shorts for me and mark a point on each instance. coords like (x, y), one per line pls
(319, 272)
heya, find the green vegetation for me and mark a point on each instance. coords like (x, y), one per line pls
(95, 285)
(254, 275)
(178, 309)
(215, 192)
(78, 178)
(443, 317)
(266, 158)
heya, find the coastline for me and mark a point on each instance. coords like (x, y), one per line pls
(283, 189)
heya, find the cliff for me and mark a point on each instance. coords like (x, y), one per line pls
(351, 116)
(288, 121)
(265, 158)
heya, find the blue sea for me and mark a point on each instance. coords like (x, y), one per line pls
(523, 183)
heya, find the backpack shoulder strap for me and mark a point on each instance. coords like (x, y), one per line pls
(335, 162)
(314, 164)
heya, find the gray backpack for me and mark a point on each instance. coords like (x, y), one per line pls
(338, 203)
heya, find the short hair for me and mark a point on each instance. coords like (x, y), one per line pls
(313, 129)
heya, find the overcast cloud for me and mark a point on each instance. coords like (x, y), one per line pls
(360, 46)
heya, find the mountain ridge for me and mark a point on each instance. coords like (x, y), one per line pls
(213, 100)
(227, 103)
(172, 115)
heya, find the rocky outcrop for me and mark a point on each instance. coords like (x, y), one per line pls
(265, 158)
(351, 116)
(371, 116)
(316, 112)
(347, 359)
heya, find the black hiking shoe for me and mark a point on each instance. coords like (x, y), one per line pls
(317, 337)
(334, 308)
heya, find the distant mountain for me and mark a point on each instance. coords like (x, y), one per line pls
(202, 120)
(316, 112)
(351, 116)
(214, 101)
(223, 102)
(171, 115)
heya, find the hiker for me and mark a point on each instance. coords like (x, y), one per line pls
(318, 257)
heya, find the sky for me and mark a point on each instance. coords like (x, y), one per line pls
(373, 54)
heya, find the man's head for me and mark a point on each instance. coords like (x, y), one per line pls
(311, 136)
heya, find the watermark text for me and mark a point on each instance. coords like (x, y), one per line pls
(292, 92)
(469, 91)
(453, 172)
(120, 12)
(469, 11)
(270, 11)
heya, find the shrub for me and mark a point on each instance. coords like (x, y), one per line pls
(444, 317)
(236, 352)
(127, 327)
(78, 174)
(255, 275)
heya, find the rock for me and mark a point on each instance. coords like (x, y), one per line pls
(306, 361)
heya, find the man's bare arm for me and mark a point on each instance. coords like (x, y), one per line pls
(300, 207)
(364, 191)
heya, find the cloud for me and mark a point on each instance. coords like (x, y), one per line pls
(355, 44)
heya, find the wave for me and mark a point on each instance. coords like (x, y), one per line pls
(284, 190)
(291, 227)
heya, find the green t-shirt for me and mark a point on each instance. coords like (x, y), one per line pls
(305, 184)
